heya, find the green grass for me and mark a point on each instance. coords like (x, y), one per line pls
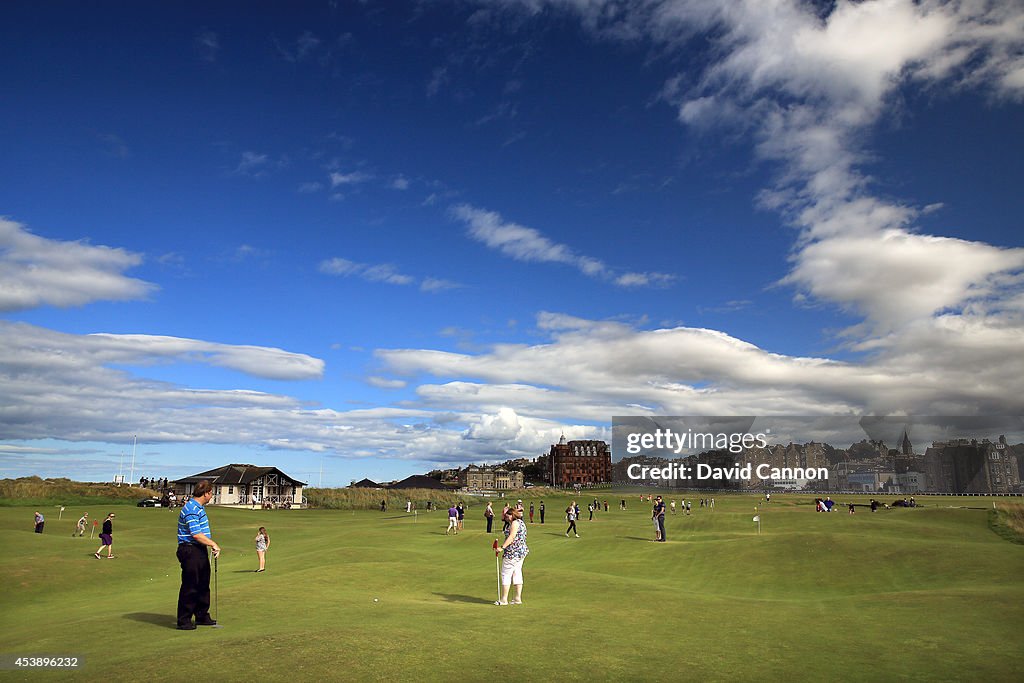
(929, 593)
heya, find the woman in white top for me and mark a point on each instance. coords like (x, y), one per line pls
(262, 543)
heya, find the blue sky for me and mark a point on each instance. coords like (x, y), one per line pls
(381, 237)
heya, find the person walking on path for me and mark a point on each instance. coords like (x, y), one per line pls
(453, 520)
(570, 515)
(194, 537)
(83, 521)
(107, 537)
(262, 544)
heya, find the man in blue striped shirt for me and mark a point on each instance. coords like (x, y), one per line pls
(193, 538)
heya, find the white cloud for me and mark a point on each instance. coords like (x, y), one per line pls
(207, 44)
(354, 178)
(383, 272)
(591, 370)
(434, 284)
(252, 164)
(310, 187)
(386, 383)
(808, 82)
(530, 246)
(35, 271)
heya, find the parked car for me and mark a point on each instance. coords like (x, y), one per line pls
(149, 503)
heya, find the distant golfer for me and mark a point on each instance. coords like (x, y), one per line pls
(542, 512)
(461, 510)
(654, 521)
(262, 544)
(83, 521)
(489, 516)
(107, 537)
(453, 520)
(531, 513)
(193, 538)
(659, 513)
(514, 552)
(40, 521)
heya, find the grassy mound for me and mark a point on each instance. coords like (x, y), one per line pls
(51, 492)
(1007, 520)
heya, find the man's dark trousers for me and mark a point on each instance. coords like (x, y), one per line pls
(661, 526)
(194, 596)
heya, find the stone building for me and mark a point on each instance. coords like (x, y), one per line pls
(482, 477)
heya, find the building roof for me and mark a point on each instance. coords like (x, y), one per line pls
(418, 481)
(365, 484)
(236, 474)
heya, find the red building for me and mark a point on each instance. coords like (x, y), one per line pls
(580, 462)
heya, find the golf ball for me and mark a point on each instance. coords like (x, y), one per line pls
(375, 599)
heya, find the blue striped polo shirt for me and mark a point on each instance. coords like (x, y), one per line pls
(192, 520)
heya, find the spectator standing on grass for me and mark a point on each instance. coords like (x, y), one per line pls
(590, 508)
(461, 509)
(40, 521)
(659, 513)
(688, 503)
(654, 521)
(489, 515)
(542, 512)
(506, 518)
(531, 513)
(107, 537)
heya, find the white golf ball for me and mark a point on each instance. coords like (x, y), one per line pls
(375, 599)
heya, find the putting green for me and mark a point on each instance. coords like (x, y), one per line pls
(928, 593)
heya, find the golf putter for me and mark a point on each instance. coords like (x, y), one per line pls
(216, 595)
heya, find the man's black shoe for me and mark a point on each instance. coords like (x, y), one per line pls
(187, 627)
(206, 622)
